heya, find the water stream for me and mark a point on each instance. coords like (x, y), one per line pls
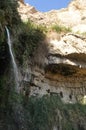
(15, 69)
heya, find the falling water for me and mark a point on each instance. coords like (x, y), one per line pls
(13, 60)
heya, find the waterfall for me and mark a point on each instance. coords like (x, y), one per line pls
(13, 60)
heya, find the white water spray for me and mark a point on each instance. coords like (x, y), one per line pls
(13, 60)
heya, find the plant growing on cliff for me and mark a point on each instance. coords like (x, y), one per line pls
(48, 111)
(61, 29)
(9, 11)
(8, 17)
(28, 40)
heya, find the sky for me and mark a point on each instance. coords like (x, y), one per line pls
(47, 5)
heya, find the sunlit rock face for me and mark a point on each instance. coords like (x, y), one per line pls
(79, 28)
(73, 15)
(64, 71)
(78, 4)
(64, 67)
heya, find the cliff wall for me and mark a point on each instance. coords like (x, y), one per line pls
(64, 66)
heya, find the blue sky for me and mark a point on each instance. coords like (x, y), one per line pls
(46, 5)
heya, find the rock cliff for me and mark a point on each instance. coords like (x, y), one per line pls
(64, 67)
(73, 15)
(50, 62)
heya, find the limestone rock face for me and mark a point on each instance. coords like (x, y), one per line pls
(78, 4)
(64, 70)
(29, 12)
(71, 16)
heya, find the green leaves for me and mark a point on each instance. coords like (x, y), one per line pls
(48, 111)
(8, 11)
(61, 29)
(8, 17)
(27, 41)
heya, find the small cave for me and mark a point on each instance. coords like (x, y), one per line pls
(70, 96)
(39, 88)
(61, 94)
(48, 90)
(42, 81)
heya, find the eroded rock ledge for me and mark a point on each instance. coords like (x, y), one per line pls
(64, 70)
(64, 67)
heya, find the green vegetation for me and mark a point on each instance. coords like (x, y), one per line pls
(28, 39)
(61, 29)
(43, 113)
(19, 112)
(8, 17)
(49, 111)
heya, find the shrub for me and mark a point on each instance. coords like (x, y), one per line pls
(61, 29)
(42, 112)
(8, 17)
(9, 11)
(27, 41)
(48, 111)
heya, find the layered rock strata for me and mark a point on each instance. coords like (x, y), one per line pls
(64, 70)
